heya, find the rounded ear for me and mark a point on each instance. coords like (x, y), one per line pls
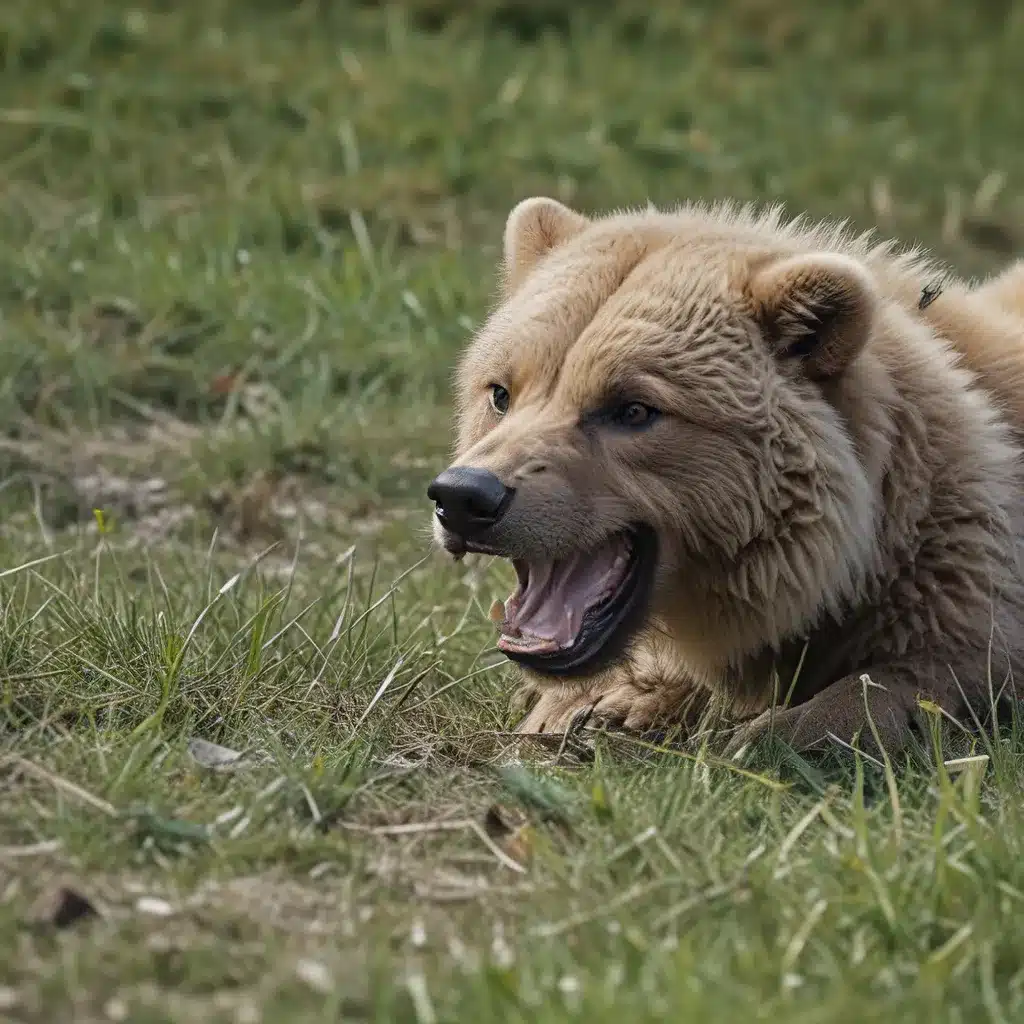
(816, 309)
(534, 227)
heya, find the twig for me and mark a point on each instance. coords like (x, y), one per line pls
(415, 828)
(31, 850)
(64, 785)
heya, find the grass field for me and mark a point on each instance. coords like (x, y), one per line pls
(240, 247)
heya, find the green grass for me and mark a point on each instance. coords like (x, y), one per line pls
(240, 247)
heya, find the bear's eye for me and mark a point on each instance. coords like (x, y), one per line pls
(500, 399)
(634, 415)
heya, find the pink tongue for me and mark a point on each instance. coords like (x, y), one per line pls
(558, 594)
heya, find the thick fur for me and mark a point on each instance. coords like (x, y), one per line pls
(835, 478)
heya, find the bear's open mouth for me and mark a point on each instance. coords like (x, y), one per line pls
(576, 614)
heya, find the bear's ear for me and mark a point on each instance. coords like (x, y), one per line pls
(817, 310)
(534, 227)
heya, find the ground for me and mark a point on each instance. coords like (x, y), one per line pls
(240, 247)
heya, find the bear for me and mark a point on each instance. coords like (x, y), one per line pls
(744, 463)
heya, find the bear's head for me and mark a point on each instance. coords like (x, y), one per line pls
(670, 419)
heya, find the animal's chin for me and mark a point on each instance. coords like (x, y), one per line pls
(575, 615)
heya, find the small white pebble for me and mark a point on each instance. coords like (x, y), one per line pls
(8, 998)
(315, 975)
(418, 934)
(571, 989)
(154, 906)
(115, 1009)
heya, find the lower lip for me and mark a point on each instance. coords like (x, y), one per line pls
(509, 645)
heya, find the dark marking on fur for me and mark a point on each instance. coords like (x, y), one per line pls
(929, 294)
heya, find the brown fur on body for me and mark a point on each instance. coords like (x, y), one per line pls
(834, 479)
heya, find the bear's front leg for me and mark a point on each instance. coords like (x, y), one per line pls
(889, 694)
(612, 703)
(644, 692)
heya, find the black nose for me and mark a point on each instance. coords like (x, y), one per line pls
(469, 500)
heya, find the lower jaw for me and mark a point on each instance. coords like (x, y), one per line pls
(603, 642)
(596, 645)
(565, 663)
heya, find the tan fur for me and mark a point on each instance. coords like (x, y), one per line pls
(533, 228)
(851, 511)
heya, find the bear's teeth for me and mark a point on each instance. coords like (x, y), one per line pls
(497, 612)
(527, 642)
